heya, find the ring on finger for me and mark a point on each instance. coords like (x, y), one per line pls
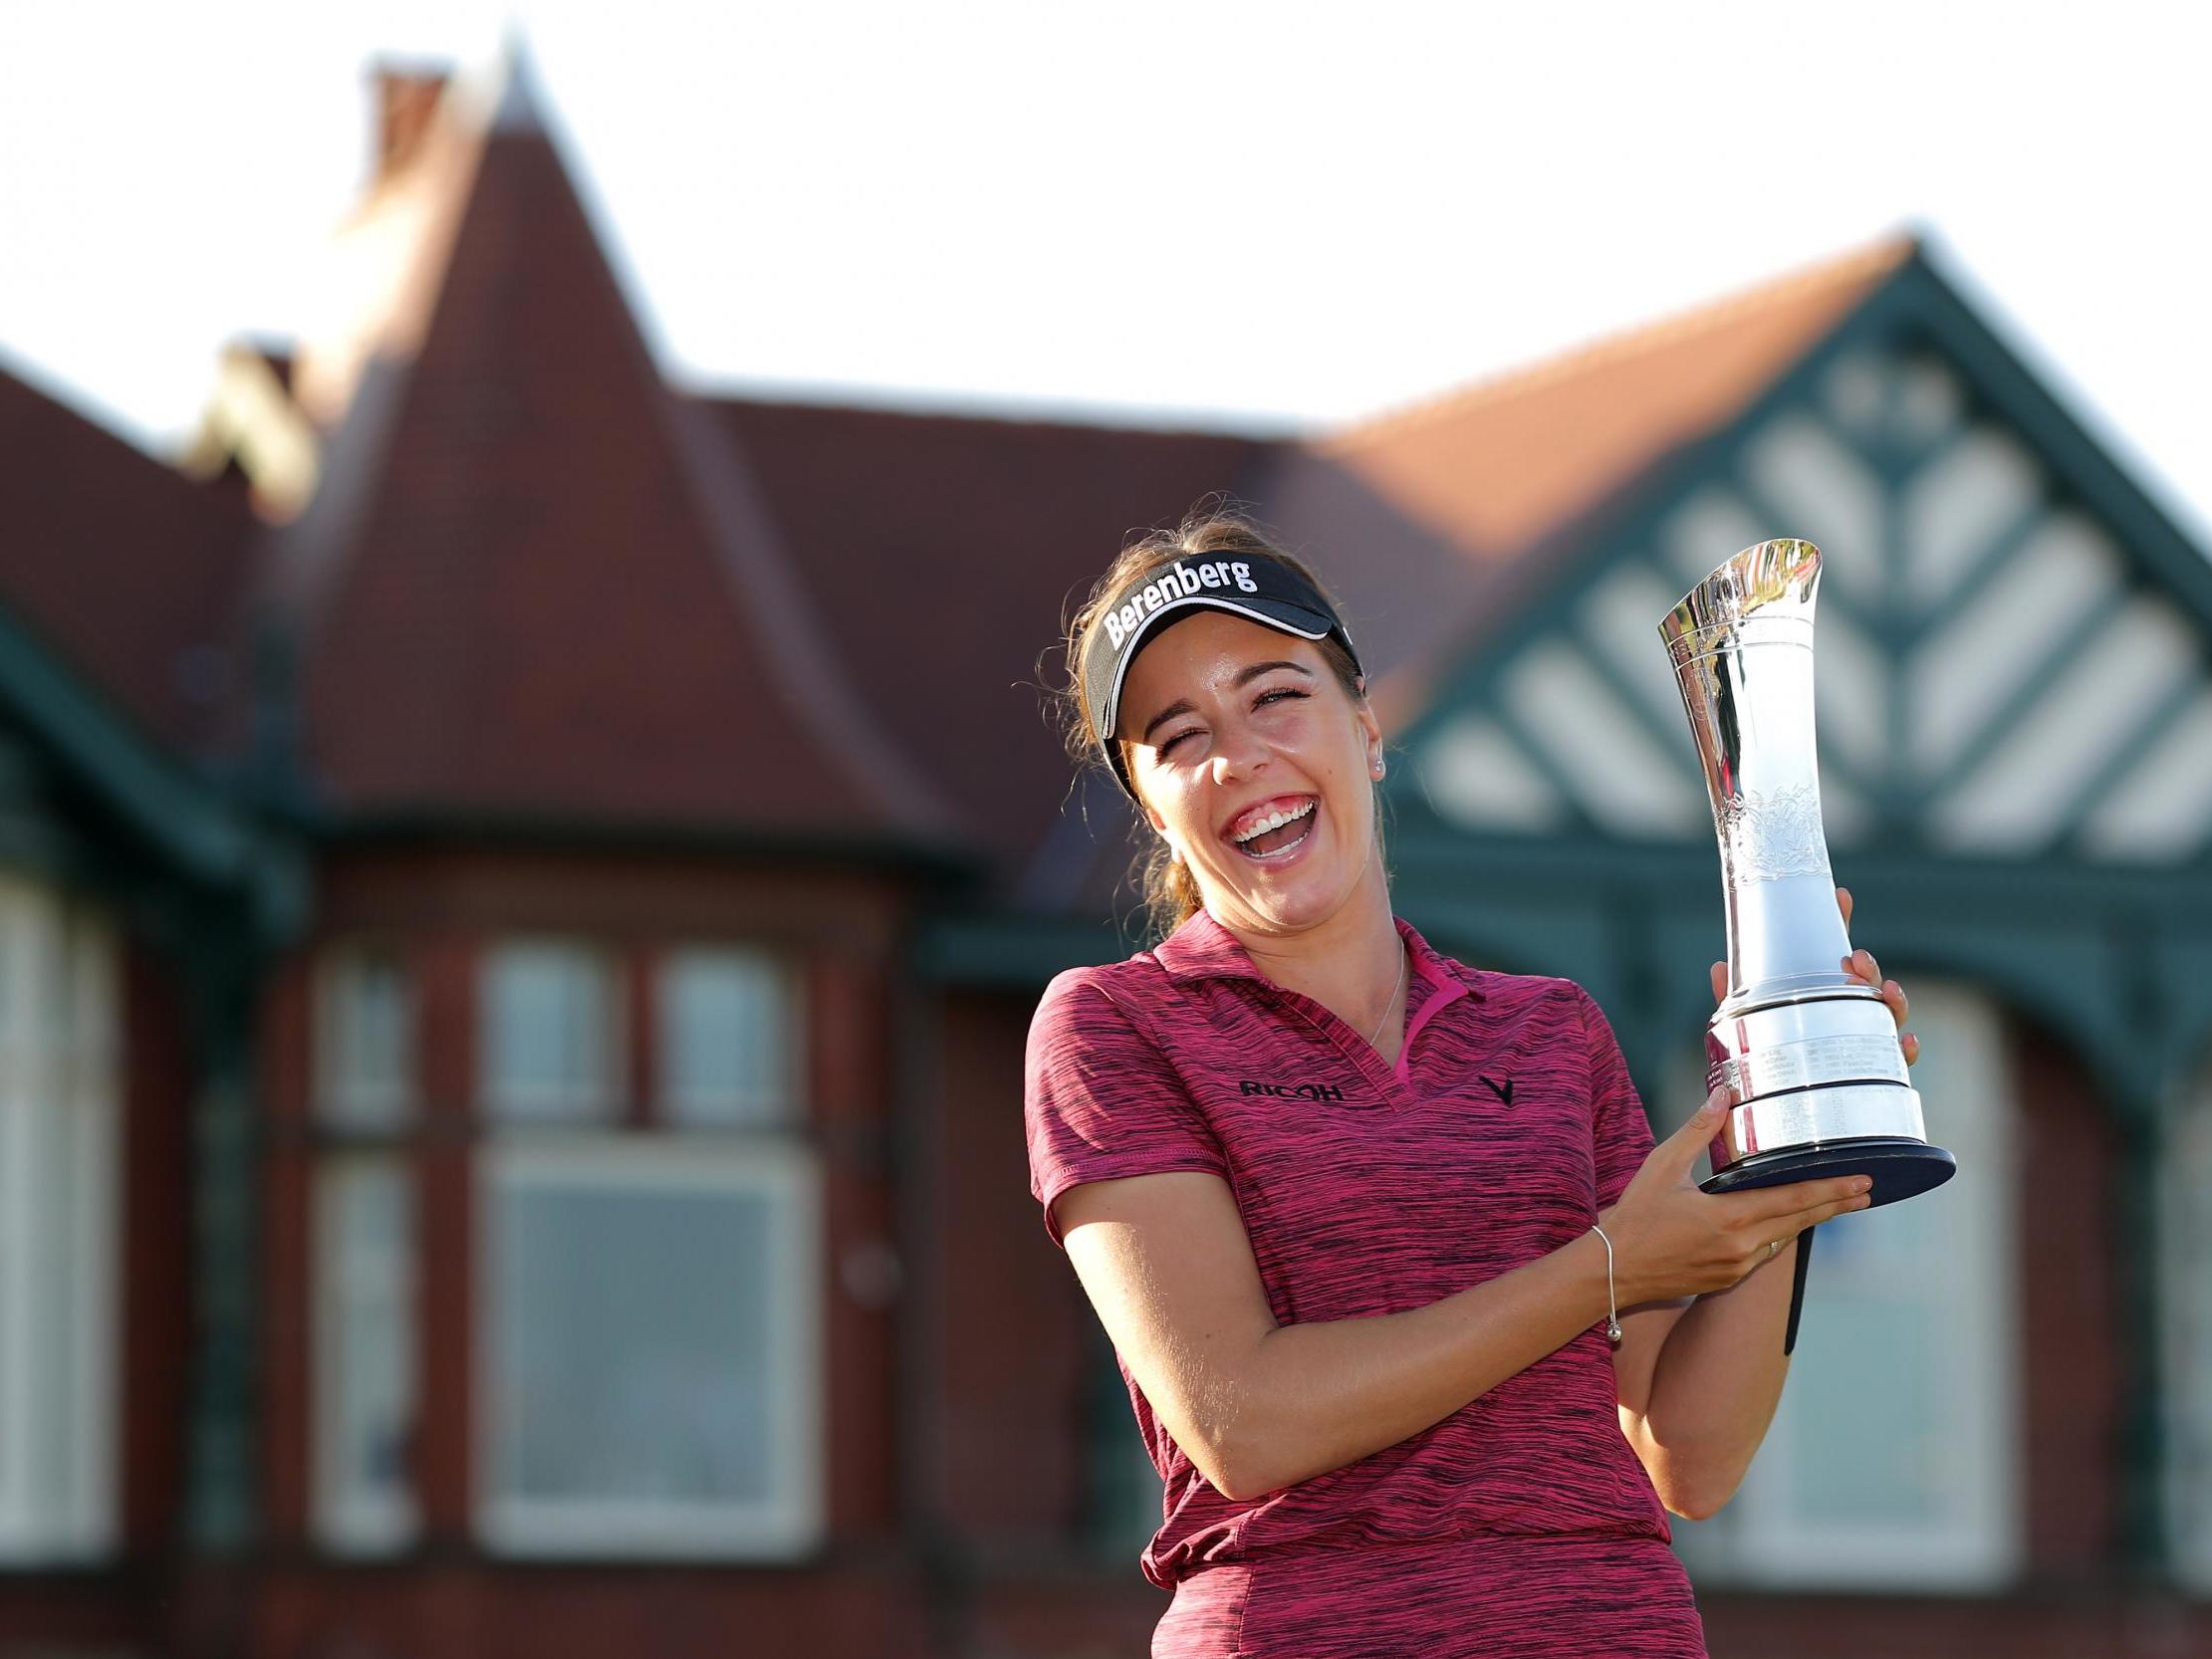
(1774, 1249)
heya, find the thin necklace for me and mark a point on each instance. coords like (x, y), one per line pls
(1401, 979)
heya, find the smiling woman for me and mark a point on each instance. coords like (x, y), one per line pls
(1214, 563)
(1398, 1282)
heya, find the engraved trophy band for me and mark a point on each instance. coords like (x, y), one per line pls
(1818, 1072)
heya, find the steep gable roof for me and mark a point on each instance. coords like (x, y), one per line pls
(532, 582)
(1496, 466)
(2014, 643)
(1466, 501)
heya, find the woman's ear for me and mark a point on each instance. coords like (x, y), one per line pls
(1159, 820)
(1159, 828)
(1152, 816)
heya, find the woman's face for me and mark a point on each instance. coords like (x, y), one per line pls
(1229, 723)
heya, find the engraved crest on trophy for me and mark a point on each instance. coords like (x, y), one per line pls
(1812, 1051)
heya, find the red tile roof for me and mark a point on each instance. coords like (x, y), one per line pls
(535, 581)
(1503, 472)
(944, 554)
(128, 570)
(1497, 465)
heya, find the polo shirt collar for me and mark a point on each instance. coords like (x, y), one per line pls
(1201, 948)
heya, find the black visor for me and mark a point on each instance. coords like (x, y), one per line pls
(1251, 586)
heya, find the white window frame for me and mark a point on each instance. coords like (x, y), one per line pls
(1127, 1499)
(695, 1108)
(60, 1215)
(1977, 1545)
(350, 1519)
(786, 1527)
(342, 1099)
(599, 1097)
(2185, 1232)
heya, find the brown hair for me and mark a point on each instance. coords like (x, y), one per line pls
(1213, 526)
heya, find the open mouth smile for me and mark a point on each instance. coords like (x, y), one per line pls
(1286, 830)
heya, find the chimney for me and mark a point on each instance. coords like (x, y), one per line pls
(406, 103)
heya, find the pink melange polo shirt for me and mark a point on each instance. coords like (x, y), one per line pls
(1506, 1124)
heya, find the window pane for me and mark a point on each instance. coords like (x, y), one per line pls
(547, 1042)
(2187, 1270)
(650, 1366)
(728, 1039)
(638, 1371)
(59, 1227)
(365, 1355)
(367, 1041)
(1126, 1500)
(1892, 1458)
(1874, 1458)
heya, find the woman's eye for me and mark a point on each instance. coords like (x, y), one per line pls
(1260, 701)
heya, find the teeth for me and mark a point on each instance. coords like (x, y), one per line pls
(1274, 820)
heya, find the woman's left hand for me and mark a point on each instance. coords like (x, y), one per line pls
(1860, 965)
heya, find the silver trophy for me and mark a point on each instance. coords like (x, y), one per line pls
(1812, 1053)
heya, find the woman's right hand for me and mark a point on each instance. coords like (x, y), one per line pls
(1670, 1239)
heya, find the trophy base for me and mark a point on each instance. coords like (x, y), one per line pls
(1900, 1168)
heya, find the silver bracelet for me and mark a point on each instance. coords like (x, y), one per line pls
(1612, 1312)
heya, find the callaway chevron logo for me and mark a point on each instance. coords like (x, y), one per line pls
(1504, 1090)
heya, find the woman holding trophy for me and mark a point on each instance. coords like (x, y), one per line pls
(1424, 1335)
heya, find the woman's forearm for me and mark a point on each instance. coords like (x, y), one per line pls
(1314, 1398)
(1714, 1389)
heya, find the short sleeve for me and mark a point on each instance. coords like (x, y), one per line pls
(1101, 1100)
(1621, 1131)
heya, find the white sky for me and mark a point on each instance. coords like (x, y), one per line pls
(1265, 215)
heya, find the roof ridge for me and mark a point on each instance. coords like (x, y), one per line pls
(1637, 339)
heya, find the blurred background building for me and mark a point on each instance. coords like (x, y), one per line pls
(523, 889)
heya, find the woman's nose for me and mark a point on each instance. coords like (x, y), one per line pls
(1238, 753)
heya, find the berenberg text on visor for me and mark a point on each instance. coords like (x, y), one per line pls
(1182, 580)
